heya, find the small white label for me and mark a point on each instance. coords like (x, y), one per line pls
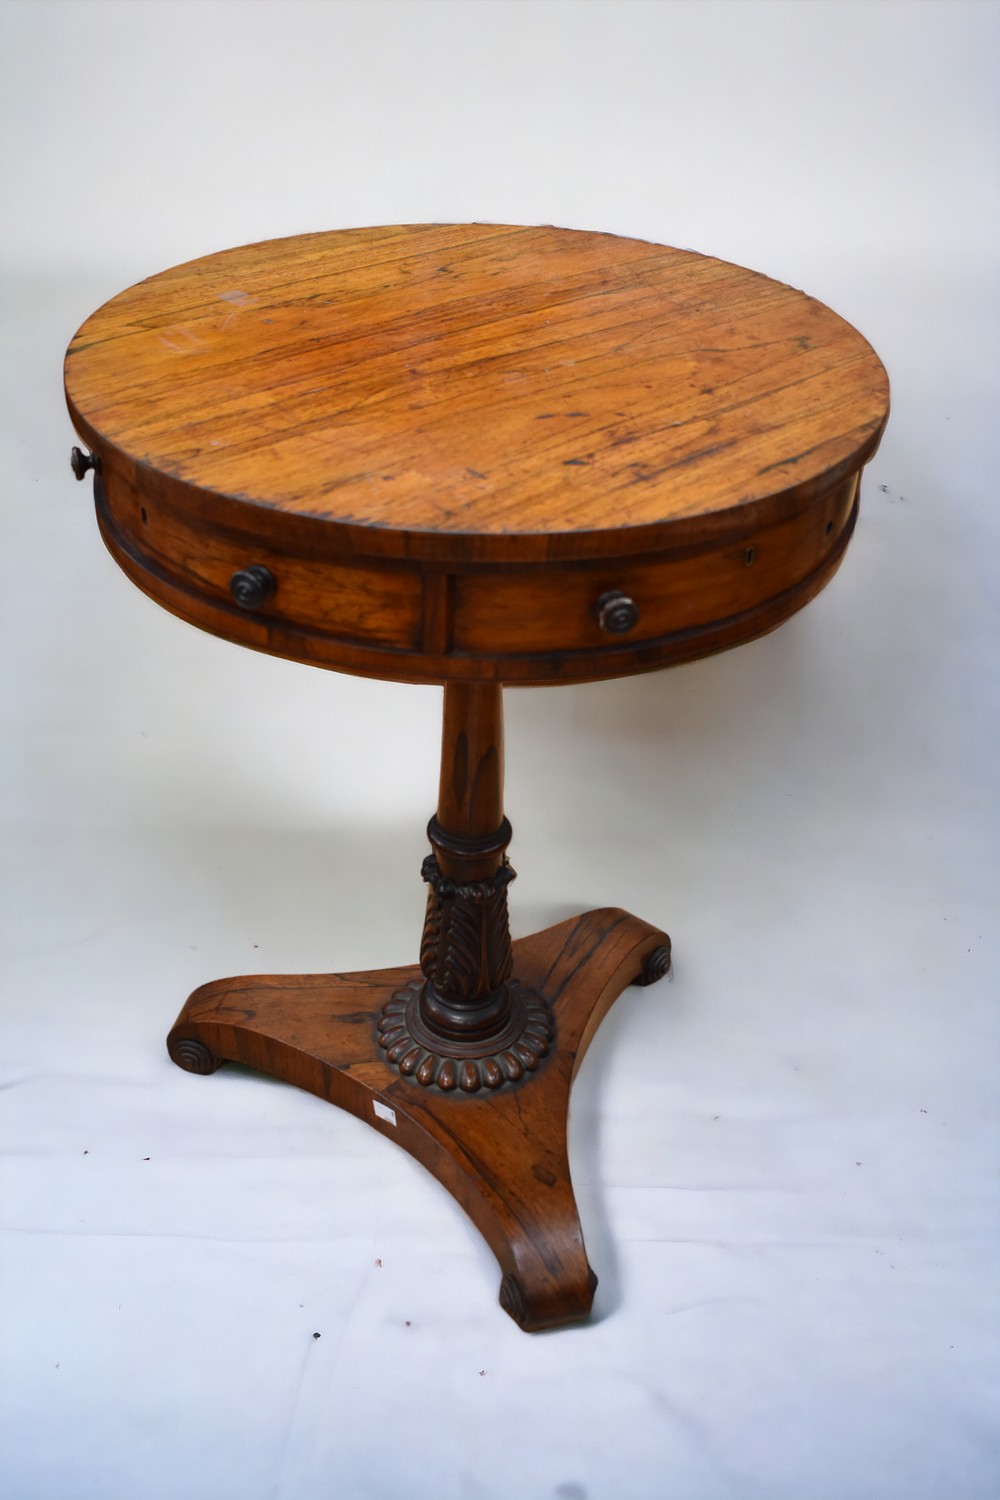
(384, 1112)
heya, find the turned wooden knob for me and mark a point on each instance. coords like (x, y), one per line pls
(80, 462)
(617, 613)
(251, 587)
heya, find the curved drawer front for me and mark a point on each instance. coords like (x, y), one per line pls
(544, 612)
(191, 569)
(419, 622)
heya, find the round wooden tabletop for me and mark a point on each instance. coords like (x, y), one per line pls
(478, 380)
(473, 396)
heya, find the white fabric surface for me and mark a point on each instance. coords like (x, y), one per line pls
(786, 1158)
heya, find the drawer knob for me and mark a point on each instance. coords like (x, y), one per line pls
(80, 462)
(251, 587)
(617, 613)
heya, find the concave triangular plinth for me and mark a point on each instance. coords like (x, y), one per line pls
(500, 1152)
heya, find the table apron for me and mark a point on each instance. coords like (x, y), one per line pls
(531, 623)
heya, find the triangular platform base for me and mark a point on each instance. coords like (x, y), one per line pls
(501, 1153)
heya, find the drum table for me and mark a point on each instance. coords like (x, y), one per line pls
(470, 455)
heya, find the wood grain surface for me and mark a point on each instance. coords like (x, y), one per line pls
(448, 444)
(485, 381)
(502, 1154)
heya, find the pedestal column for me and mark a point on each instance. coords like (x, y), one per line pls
(470, 1023)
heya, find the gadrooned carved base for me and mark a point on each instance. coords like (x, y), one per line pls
(429, 1060)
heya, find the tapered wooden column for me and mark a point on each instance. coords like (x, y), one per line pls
(470, 793)
(470, 1024)
(465, 952)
